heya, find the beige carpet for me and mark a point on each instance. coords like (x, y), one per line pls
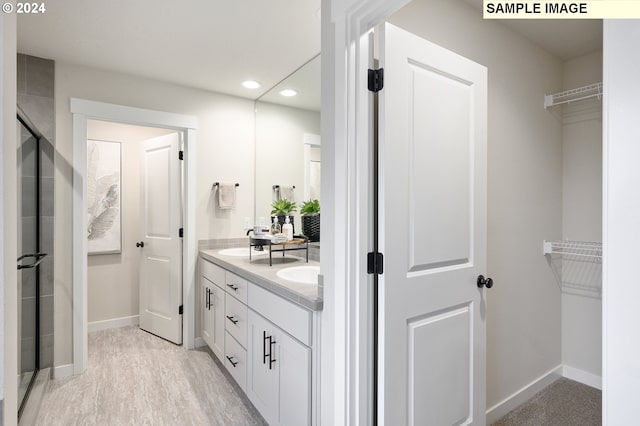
(135, 378)
(563, 403)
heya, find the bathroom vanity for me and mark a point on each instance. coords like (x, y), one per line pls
(265, 330)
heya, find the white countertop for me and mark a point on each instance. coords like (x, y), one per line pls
(260, 273)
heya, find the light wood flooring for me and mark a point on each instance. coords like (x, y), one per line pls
(135, 378)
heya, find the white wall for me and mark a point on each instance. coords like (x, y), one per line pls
(112, 279)
(582, 214)
(621, 233)
(8, 223)
(524, 188)
(280, 152)
(225, 152)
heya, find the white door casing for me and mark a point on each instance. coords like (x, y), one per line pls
(432, 206)
(161, 260)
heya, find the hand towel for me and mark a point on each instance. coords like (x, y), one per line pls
(226, 196)
(286, 192)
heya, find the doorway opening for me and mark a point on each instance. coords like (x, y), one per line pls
(84, 114)
(119, 289)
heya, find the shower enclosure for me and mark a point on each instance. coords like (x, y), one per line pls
(30, 257)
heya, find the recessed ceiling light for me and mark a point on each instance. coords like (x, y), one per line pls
(250, 84)
(288, 92)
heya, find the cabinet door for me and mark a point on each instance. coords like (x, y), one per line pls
(207, 322)
(262, 375)
(294, 371)
(218, 320)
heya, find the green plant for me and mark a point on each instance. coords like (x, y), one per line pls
(283, 207)
(310, 207)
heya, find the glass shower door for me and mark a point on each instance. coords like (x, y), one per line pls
(28, 260)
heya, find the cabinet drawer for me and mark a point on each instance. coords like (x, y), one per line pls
(236, 319)
(292, 318)
(213, 273)
(235, 360)
(236, 286)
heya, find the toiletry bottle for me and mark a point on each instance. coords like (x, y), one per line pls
(275, 226)
(287, 229)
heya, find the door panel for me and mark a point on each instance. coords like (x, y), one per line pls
(161, 260)
(432, 210)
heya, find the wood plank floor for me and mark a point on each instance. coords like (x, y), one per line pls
(135, 378)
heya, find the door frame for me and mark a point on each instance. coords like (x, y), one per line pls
(347, 194)
(83, 110)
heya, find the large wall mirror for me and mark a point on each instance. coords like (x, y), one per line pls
(288, 141)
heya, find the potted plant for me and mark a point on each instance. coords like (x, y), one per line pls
(310, 212)
(283, 208)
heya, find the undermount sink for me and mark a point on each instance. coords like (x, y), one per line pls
(240, 252)
(300, 274)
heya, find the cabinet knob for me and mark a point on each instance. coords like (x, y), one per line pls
(484, 282)
(140, 244)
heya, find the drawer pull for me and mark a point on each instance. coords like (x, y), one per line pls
(234, 363)
(232, 319)
(208, 301)
(233, 287)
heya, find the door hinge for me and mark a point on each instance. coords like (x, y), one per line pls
(375, 262)
(375, 81)
(181, 232)
(180, 310)
(180, 155)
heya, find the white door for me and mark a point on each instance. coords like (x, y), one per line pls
(432, 204)
(161, 260)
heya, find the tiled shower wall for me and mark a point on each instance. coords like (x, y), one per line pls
(36, 98)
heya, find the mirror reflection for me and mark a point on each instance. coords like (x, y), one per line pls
(288, 148)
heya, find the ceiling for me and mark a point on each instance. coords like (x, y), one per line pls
(305, 81)
(215, 45)
(207, 44)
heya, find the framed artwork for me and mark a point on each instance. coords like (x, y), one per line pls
(104, 219)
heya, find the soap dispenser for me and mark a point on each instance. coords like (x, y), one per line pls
(287, 229)
(275, 226)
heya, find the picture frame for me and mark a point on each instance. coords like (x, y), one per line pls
(104, 197)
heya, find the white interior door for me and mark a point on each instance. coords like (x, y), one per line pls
(432, 206)
(161, 260)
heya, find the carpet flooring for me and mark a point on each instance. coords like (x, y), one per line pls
(563, 403)
(135, 378)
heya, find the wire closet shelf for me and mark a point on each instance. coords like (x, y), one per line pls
(585, 249)
(576, 265)
(573, 95)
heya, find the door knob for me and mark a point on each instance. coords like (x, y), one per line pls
(484, 282)
(140, 244)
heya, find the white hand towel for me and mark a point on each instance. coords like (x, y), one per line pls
(226, 195)
(286, 192)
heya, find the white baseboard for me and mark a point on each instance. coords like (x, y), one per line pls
(582, 376)
(522, 395)
(114, 323)
(63, 371)
(200, 342)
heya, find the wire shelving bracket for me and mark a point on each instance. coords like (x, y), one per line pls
(576, 265)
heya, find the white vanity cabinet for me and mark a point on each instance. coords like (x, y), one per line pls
(213, 307)
(279, 374)
(265, 342)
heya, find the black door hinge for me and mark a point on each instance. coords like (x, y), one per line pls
(375, 81)
(180, 155)
(181, 232)
(180, 310)
(375, 262)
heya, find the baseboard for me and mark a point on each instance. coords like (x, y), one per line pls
(199, 342)
(582, 376)
(114, 323)
(522, 395)
(63, 371)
